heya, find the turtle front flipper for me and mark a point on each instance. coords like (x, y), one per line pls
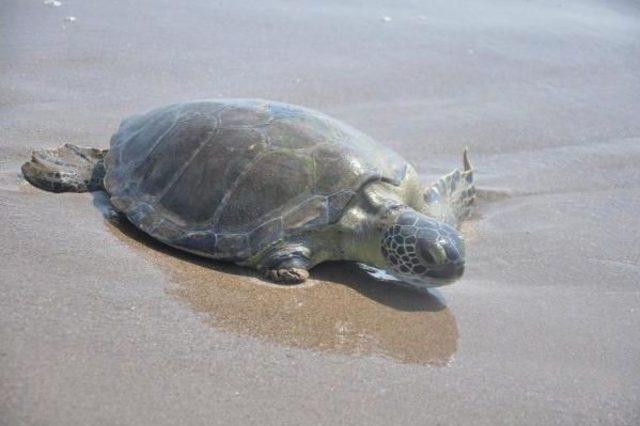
(287, 265)
(286, 275)
(450, 198)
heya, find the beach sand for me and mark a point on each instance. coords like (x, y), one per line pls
(101, 325)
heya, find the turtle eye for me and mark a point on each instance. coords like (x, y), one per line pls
(431, 251)
(451, 252)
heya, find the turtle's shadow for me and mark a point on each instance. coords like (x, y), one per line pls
(345, 273)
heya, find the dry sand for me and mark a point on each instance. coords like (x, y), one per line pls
(100, 325)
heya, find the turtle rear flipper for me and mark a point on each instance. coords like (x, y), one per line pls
(69, 168)
(451, 197)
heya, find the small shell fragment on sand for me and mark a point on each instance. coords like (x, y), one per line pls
(70, 19)
(52, 3)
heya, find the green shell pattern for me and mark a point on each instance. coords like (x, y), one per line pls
(228, 178)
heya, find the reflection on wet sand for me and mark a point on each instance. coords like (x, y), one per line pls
(342, 309)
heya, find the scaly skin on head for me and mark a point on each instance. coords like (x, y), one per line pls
(421, 250)
(393, 236)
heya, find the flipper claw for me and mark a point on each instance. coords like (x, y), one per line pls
(450, 198)
(466, 161)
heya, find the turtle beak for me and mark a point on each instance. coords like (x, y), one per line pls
(450, 272)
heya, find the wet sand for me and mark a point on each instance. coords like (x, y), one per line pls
(99, 324)
(340, 309)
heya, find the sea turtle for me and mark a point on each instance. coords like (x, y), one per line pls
(272, 186)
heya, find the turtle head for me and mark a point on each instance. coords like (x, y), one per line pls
(422, 251)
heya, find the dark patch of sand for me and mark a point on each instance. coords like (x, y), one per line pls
(340, 309)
